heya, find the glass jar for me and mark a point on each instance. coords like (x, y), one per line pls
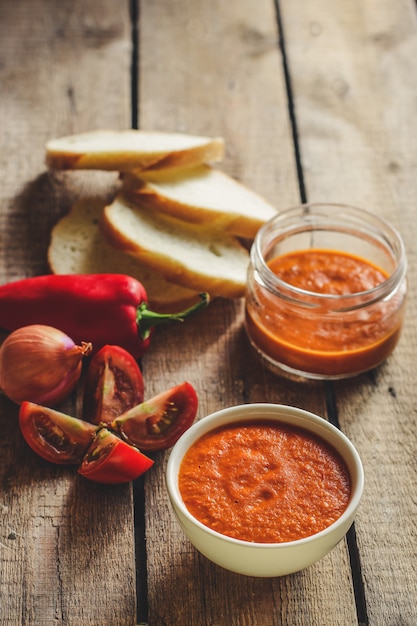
(332, 329)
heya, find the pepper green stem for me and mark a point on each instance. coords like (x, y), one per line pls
(147, 319)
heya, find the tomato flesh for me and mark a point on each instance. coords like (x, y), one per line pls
(110, 452)
(159, 422)
(59, 438)
(114, 384)
(55, 436)
(112, 461)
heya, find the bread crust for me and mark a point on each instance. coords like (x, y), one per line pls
(201, 195)
(77, 246)
(130, 149)
(222, 260)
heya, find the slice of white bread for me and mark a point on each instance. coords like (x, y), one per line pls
(77, 246)
(203, 195)
(196, 257)
(131, 149)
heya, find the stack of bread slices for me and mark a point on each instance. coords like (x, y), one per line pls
(176, 222)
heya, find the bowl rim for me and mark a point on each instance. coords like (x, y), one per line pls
(277, 412)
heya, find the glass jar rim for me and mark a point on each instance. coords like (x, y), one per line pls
(375, 227)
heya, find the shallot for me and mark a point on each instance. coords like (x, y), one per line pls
(40, 364)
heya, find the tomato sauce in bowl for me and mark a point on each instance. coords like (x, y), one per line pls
(264, 481)
(271, 475)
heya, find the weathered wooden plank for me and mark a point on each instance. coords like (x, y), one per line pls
(66, 545)
(215, 68)
(349, 66)
(354, 68)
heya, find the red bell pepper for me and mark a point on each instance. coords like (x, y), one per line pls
(99, 308)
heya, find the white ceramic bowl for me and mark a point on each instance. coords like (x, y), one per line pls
(265, 559)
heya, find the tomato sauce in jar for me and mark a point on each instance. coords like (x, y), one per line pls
(326, 291)
(327, 271)
(264, 481)
(321, 339)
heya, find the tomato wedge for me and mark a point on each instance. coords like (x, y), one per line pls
(110, 453)
(114, 384)
(55, 436)
(159, 422)
(112, 461)
(62, 439)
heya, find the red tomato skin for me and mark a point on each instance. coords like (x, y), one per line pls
(159, 422)
(56, 437)
(114, 462)
(114, 384)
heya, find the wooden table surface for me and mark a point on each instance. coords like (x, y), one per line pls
(316, 101)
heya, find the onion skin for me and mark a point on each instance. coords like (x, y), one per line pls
(40, 364)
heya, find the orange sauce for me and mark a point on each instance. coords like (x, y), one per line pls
(325, 341)
(264, 481)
